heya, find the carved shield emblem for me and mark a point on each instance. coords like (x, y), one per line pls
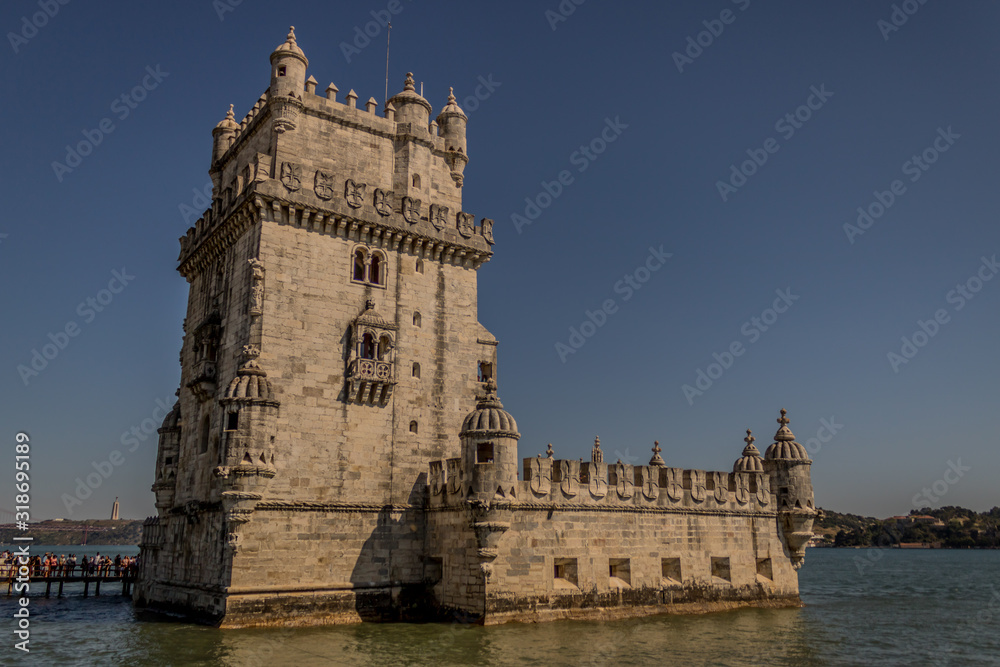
(488, 230)
(437, 478)
(541, 476)
(570, 483)
(291, 176)
(721, 483)
(438, 215)
(763, 488)
(698, 485)
(411, 210)
(675, 484)
(650, 482)
(354, 193)
(466, 224)
(625, 485)
(598, 479)
(454, 475)
(742, 488)
(324, 185)
(383, 201)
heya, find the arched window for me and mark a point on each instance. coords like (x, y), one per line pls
(375, 275)
(359, 265)
(206, 427)
(367, 346)
(413, 427)
(416, 180)
(416, 370)
(416, 319)
(420, 266)
(384, 344)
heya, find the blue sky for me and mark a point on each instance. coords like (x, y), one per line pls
(888, 433)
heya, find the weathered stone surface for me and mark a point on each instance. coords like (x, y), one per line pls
(338, 452)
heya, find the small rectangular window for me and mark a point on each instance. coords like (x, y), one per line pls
(168, 460)
(620, 572)
(433, 570)
(281, 71)
(233, 421)
(484, 452)
(672, 570)
(764, 569)
(565, 573)
(720, 569)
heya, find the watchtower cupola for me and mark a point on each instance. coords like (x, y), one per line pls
(288, 68)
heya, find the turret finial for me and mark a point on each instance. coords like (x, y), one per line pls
(784, 433)
(291, 35)
(657, 460)
(548, 452)
(783, 420)
(230, 115)
(596, 455)
(409, 82)
(749, 439)
(451, 94)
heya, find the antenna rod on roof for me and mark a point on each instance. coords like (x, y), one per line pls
(388, 35)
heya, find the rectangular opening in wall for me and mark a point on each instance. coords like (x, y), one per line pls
(233, 421)
(720, 569)
(484, 452)
(764, 569)
(585, 473)
(556, 473)
(433, 570)
(612, 476)
(565, 573)
(671, 570)
(620, 572)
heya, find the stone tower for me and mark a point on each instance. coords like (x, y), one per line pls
(331, 349)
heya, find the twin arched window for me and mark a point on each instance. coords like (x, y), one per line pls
(372, 350)
(368, 267)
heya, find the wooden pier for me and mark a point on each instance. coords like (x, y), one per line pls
(126, 579)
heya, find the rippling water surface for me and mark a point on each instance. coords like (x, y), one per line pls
(863, 607)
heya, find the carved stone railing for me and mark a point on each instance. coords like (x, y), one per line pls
(370, 381)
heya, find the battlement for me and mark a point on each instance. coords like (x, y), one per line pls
(301, 158)
(598, 485)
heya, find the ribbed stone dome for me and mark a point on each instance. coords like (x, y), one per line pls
(409, 95)
(785, 447)
(490, 417)
(250, 383)
(173, 418)
(451, 109)
(751, 461)
(229, 122)
(289, 46)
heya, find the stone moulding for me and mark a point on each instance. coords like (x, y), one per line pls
(612, 509)
(299, 506)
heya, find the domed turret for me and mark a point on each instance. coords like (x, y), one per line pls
(489, 448)
(410, 106)
(751, 461)
(453, 123)
(222, 135)
(785, 447)
(288, 68)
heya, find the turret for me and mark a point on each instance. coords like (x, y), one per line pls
(453, 122)
(411, 107)
(789, 465)
(222, 135)
(489, 449)
(288, 68)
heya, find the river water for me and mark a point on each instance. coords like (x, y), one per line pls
(863, 607)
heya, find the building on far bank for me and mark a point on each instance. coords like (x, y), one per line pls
(114, 508)
(338, 451)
